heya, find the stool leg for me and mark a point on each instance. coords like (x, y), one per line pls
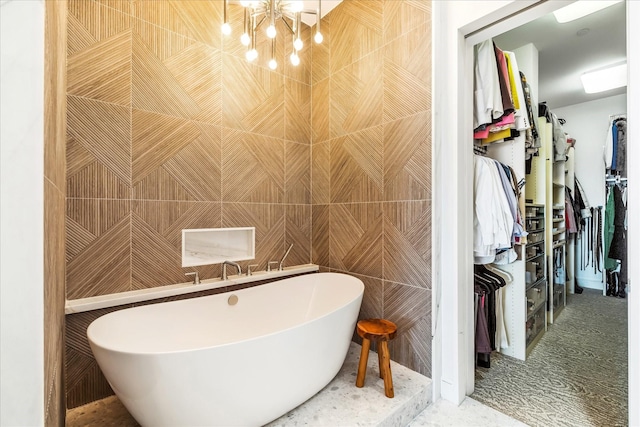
(362, 365)
(380, 361)
(385, 368)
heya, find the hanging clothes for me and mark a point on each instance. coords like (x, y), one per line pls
(497, 220)
(618, 246)
(609, 213)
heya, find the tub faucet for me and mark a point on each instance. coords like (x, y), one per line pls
(233, 264)
(285, 256)
(196, 277)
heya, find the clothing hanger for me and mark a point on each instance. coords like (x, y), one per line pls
(505, 274)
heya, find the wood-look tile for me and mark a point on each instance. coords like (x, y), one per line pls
(320, 235)
(409, 308)
(407, 243)
(119, 5)
(407, 158)
(297, 173)
(197, 167)
(175, 159)
(356, 96)
(54, 301)
(197, 69)
(355, 238)
(298, 232)
(402, 16)
(90, 385)
(161, 14)
(372, 301)
(98, 149)
(321, 173)
(357, 167)
(297, 111)
(97, 246)
(156, 239)
(269, 221)
(156, 139)
(99, 20)
(301, 72)
(320, 119)
(83, 378)
(252, 168)
(356, 31)
(321, 68)
(99, 65)
(252, 97)
(407, 74)
(202, 19)
(154, 88)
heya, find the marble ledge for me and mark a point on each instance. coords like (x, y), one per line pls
(121, 298)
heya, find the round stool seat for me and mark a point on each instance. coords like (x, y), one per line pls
(377, 329)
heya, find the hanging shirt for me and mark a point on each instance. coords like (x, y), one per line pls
(519, 100)
(488, 98)
(493, 222)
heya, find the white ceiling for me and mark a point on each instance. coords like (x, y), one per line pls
(564, 56)
(326, 6)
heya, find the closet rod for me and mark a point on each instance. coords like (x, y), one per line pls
(617, 116)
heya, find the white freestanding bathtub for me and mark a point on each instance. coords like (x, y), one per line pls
(205, 362)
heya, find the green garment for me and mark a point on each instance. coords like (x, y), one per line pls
(609, 214)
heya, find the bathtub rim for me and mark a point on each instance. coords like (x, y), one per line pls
(204, 348)
(98, 302)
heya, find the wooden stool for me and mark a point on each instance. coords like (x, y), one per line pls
(382, 331)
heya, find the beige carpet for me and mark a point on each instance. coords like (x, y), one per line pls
(575, 376)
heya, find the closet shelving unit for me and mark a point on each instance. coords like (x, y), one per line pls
(525, 299)
(535, 277)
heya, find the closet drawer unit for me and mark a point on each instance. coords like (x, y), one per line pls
(536, 297)
(535, 268)
(535, 324)
(533, 211)
(534, 224)
(535, 237)
(534, 250)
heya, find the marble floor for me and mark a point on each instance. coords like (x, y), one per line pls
(340, 403)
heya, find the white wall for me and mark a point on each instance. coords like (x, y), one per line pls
(21, 213)
(587, 123)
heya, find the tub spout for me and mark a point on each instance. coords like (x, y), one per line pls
(233, 264)
(285, 256)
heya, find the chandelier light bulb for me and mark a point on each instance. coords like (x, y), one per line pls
(297, 44)
(273, 64)
(245, 3)
(295, 59)
(271, 31)
(318, 37)
(245, 39)
(226, 29)
(251, 55)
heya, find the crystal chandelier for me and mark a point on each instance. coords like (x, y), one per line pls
(265, 13)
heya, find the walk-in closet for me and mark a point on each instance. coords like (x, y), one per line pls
(550, 223)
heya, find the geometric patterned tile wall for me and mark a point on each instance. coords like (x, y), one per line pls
(168, 127)
(371, 160)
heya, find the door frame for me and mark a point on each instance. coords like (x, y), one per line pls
(457, 26)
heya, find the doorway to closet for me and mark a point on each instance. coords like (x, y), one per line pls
(456, 376)
(549, 365)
